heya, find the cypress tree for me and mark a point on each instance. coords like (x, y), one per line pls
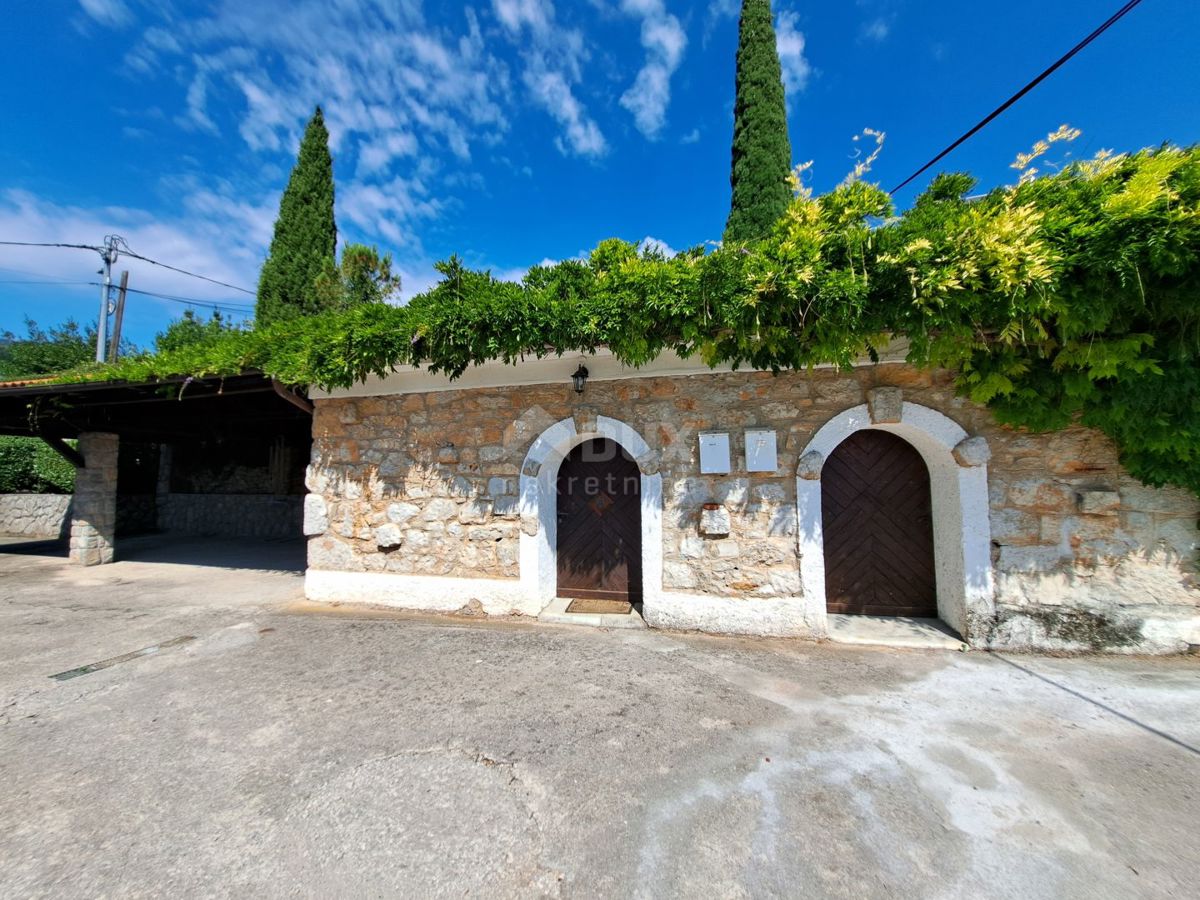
(305, 238)
(762, 153)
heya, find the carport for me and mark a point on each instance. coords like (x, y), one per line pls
(180, 458)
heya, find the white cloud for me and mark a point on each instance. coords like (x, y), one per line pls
(665, 42)
(516, 275)
(515, 14)
(270, 119)
(215, 233)
(144, 56)
(404, 100)
(377, 154)
(377, 67)
(113, 13)
(389, 210)
(692, 137)
(654, 245)
(717, 11)
(197, 105)
(789, 40)
(550, 88)
(417, 279)
(553, 59)
(876, 30)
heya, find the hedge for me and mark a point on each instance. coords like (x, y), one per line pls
(29, 466)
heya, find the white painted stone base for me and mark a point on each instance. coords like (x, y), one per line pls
(765, 617)
(1153, 632)
(497, 597)
(1137, 606)
(1172, 635)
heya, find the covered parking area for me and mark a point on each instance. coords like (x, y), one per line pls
(176, 467)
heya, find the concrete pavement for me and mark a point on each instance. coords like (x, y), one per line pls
(295, 751)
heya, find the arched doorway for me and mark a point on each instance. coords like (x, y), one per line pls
(599, 528)
(876, 507)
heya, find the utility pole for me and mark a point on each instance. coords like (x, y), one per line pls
(118, 318)
(108, 254)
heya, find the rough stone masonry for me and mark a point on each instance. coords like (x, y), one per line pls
(34, 515)
(93, 527)
(426, 484)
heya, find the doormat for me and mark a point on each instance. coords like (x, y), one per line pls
(614, 607)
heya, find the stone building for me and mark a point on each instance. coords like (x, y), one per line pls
(758, 504)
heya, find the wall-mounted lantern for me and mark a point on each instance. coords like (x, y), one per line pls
(579, 379)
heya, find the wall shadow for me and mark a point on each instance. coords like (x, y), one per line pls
(256, 554)
(51, 548)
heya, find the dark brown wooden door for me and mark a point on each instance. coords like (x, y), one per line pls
(875, 502)
(599, 523)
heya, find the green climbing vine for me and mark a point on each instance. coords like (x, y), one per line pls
(1069, 296)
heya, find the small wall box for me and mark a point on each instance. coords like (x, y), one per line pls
(714, 454)
(761, 451)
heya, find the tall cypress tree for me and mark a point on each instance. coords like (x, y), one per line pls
(762, 153)
(305, 233)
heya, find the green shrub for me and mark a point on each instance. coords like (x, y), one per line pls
(29, 466)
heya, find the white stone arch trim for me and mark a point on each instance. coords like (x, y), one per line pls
(539, 505)
(961, 524)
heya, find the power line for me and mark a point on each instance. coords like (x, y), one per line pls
(1116, 17)
(155, 262)
(125, 251)
(39, 244)
(231, 307)
(71, 283)
(240, 308)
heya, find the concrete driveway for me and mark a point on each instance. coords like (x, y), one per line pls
(293, 752)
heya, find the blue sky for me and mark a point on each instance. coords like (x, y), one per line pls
(507, 131)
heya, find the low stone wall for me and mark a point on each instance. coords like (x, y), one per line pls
(35, 515)
(231, 515)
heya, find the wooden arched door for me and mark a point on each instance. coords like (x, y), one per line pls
(878, 527)
(600, 523)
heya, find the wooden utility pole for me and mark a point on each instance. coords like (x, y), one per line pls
(118, 316)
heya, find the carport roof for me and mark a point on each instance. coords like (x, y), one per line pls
(172, 409)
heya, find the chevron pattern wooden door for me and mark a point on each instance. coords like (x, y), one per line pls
(599, 523)
(878, 524)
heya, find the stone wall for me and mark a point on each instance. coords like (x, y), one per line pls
(35, 515)
(1087, 557)
(426, 484)
(231, 515)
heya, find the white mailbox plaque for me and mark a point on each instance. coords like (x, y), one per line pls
(760, 451)
(714, 454)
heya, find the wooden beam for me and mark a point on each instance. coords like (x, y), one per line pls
(292, 397)
(67, 452)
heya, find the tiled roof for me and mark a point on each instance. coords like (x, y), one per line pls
(26, 382)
